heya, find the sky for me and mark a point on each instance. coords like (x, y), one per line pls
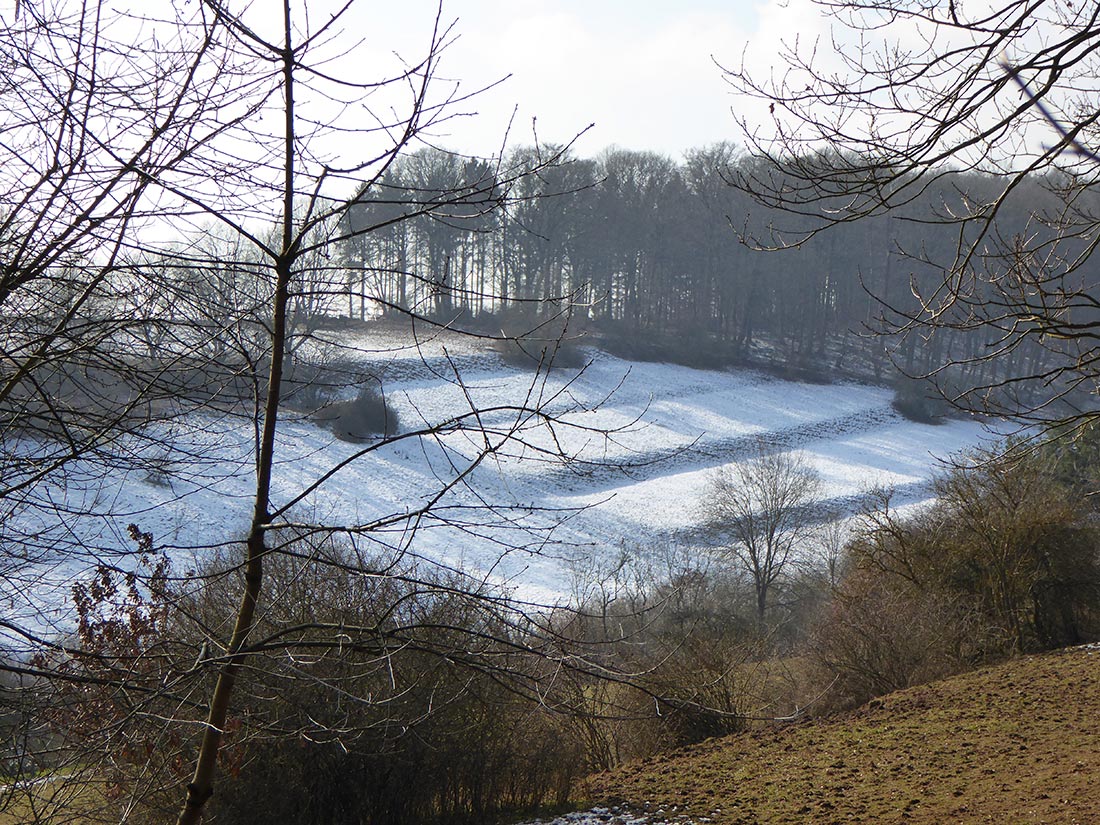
(634, 74)
(637, 74)
(643, 74)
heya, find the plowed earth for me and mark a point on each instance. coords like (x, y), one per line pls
(1014, 743)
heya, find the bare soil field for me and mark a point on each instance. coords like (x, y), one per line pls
(1014, 743)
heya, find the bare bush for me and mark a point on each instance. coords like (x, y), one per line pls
(880, 635)
(689, 631)
(357, 420)
(1005, 561)
(373, 725)
(531, 342)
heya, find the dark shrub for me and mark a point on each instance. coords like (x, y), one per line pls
(358, 420)
(919, 401)
(373, 732)
(1004, 562)
(805, 371)
(530, 340)
(533, 354)
(690, 348)
(306, 387)
(880, 634)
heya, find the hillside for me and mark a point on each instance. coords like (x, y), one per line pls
(643, 440)
(1013, 743)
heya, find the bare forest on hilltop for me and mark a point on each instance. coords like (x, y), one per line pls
(667, 259)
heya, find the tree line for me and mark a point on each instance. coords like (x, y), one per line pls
(666, 258)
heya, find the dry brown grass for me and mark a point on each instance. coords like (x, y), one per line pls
(53, 799)
(1014, 743)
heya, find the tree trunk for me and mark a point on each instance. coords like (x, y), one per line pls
(201, 787)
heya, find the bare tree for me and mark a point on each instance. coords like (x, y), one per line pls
(914, 95)
(763, 506)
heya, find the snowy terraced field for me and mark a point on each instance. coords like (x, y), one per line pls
(640, 485)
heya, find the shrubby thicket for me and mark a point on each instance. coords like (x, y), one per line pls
(442, 706)
(1006, 561)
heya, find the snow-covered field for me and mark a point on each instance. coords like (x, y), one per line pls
(644, 439)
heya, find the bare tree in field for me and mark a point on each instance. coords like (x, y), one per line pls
(175, 192)
(916, 94)
(762, 508)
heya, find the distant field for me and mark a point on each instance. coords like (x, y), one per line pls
(641, 485)
(1014, 744)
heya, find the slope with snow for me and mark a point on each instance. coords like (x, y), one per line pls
(642, 441)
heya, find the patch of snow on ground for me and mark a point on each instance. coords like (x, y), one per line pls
(597, 816)
(621, 816)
